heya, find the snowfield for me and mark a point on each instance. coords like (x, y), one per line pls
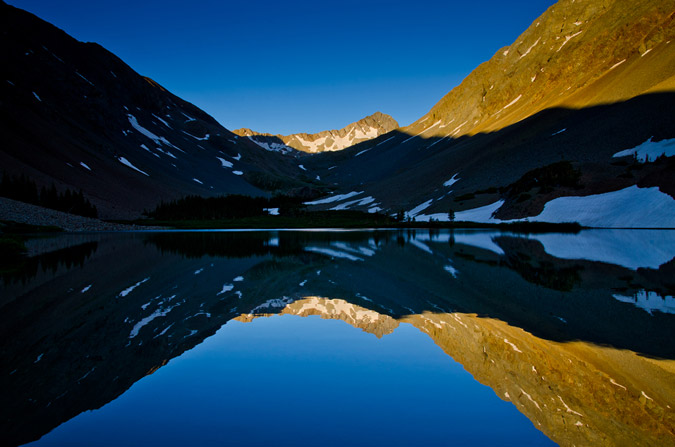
(631, 207)
(650, 150)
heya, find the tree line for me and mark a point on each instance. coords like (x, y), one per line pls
(232, 206)
(24, 189)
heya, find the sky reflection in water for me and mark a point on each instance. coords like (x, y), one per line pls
(305, 381)
(476, 338)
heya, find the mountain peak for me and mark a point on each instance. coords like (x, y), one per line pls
(372, 126)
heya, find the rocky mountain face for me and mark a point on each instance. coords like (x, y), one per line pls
(364, 129)
(577, 54)
(75, 115)
(590, 84)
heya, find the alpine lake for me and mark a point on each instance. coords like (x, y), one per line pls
(361, 337)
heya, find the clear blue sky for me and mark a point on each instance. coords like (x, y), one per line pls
(298, 66)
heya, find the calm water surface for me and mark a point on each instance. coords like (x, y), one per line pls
(340, 338)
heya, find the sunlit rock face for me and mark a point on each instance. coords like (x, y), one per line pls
(364, 129)
(576, 54)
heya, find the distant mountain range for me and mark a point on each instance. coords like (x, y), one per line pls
(572, 122)
(364, 129)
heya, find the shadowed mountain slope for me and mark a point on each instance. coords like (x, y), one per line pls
(74, 114)
(588, 83)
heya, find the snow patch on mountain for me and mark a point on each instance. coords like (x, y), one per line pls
(649, 150)
(157, 139)
(513, 102)
(481, 214)
(162, 121)
(335, 198)
(359, 202)
(388, 139)
(225, 163)
(128, 290)
(205, 137)
(419, 208)
(529, 49)
(452, 181)
(85, 79)
(272, 146)
(567, 39)
(127, 163)
(450, 269)
(631, 207)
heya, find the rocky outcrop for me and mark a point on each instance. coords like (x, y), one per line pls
(329, 140)
(577, 54)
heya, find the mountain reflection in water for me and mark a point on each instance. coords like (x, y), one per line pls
(575, 330)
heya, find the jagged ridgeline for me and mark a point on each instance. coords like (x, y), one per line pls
(364, 129)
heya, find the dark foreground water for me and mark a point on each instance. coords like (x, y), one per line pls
(340, 338)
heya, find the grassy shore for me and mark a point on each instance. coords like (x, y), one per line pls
(350, 219)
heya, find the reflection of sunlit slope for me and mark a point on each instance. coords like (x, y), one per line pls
(357, 316)
(576, 393)
(77, 336)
